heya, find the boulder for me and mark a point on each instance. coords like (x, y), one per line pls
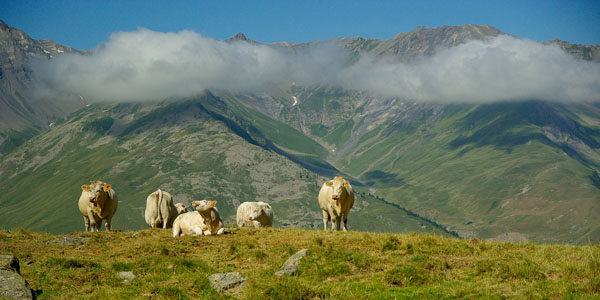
(126, 276)
(291, 264)
(225, 281)
(69, 240)
(9, 263)
(12, 284)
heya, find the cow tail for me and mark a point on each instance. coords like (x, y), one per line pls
(159, 205)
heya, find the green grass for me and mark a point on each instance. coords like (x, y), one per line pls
(417, 266)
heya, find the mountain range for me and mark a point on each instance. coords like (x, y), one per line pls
(507, 170)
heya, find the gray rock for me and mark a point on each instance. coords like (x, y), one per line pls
(69, 240)
(9, 263)
(291, 264)
(225, 281)
(126, 276)
(135, 234)
(12, 284)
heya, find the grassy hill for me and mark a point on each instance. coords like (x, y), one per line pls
(523, 169)
(195, 149)
(352, 265)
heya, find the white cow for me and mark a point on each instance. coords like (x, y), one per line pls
(98, 201)
(336, 198)
(204, 221)
(180, 208)
(257, 214)
(160, 211)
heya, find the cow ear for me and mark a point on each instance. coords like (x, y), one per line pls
(194, 203)
(213, 203)
(346, 183)
(329, 183)
(85, 187)
(106, 187)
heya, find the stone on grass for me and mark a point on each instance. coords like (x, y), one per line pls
(9, 263)
(12, 284)
(225, 281)
(126, 276)
(291, 264)
(69, 240)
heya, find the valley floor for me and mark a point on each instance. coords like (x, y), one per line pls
(353, 265)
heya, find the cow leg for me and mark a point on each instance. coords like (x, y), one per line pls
(325, 219)
(221, 231)
(256, 224)
(107, 225)
(86, 221)
(338, 220)
(345, 222)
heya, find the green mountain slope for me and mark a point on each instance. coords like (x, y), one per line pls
(525, 170)
(195, 149)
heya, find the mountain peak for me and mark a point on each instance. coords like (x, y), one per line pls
(241, 37)
(424, 40)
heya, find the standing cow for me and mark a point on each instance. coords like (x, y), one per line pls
(336, 198)
(98, 201)
(257, 214)
(160, 210)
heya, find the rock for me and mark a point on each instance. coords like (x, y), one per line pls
(291, 264)
(9, 263)
(12, 284)
(225, 281)
(69, 240)
(135, 234)
(126, 276)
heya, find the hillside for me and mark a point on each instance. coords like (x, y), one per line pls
(195, 149)
(22, 116)
(524, 170)
(353, 265)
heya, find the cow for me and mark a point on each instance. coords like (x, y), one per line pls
(160, 210)
(181, 209)
(189, 223)
(98, 201)
(204, 221)
(257, 214)
(211, 216)
(336, 198)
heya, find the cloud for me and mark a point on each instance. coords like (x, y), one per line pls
(148, 65)
(500, 69)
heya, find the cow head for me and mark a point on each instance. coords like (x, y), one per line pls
(203, 205)
(96, 189)
(180, 208)
(256, 211)
(338, 184)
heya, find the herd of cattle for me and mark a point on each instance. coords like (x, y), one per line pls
(98, 202)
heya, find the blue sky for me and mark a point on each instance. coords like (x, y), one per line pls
(86, 24)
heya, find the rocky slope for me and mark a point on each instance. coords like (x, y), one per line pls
(22, 116)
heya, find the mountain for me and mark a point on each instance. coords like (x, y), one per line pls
(425, 41)
(510, 170)
(195, 148)
(586, 52)
(21, 116)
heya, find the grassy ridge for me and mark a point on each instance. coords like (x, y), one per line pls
(353, 265)
(178, 147)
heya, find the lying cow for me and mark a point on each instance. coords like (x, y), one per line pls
(204, 221)
(336, 198)
(181, 209)
(257, 214)
(98, 201)
(160, 210)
